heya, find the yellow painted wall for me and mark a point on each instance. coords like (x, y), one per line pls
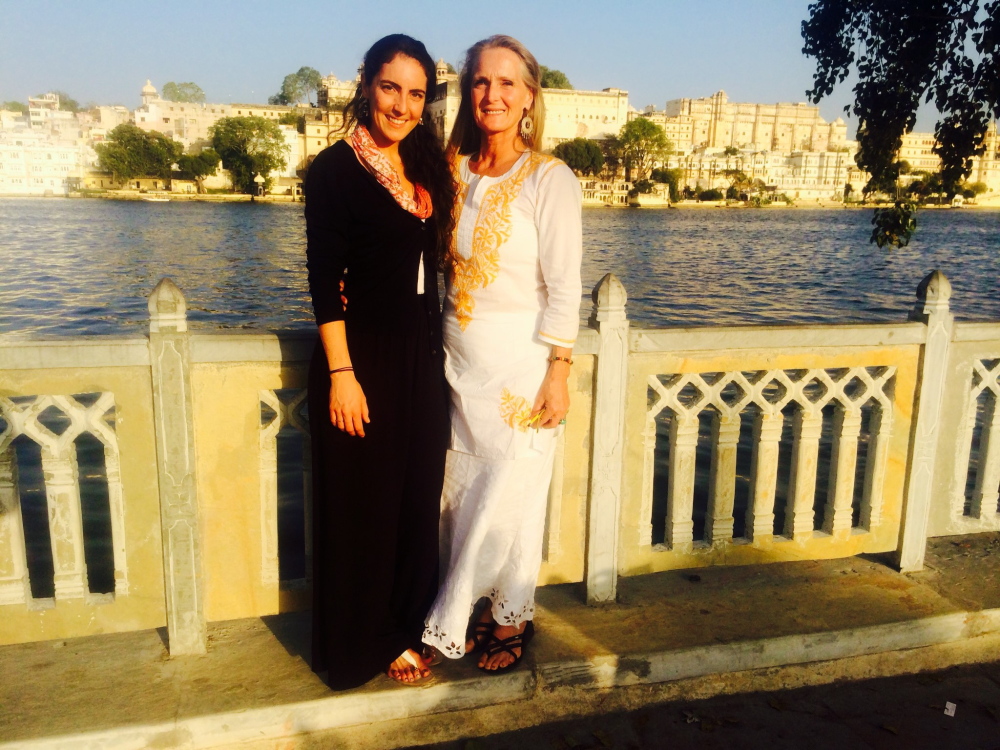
(227, 429)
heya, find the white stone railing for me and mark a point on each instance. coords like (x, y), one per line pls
(684, 448)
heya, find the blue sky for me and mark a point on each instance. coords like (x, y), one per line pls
(103, 51)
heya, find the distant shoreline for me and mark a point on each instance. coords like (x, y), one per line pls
(809, 206)
(684, 205)
(171, 197)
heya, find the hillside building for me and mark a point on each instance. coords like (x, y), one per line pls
(44, 114)
(186, 122)
(334, 93)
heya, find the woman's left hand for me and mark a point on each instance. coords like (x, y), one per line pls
(552, 401)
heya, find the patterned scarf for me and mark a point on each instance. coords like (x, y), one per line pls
(378, 164)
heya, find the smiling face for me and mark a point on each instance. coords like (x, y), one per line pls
(499, 94)
(396, 96)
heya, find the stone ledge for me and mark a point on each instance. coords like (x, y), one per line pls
(365, 706)
(837, 655)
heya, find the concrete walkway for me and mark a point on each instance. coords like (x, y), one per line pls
(906, 712)
(685, 635)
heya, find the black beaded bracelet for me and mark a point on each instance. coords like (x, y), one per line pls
(567, 360)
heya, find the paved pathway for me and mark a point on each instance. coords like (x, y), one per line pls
(896, 712)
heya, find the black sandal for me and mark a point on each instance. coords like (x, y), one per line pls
(480, 634)
(519, 640)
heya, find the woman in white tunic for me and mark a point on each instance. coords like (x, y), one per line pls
(511, 316)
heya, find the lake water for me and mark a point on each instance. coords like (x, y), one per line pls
(87, 266)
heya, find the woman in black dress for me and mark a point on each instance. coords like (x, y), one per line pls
(378, 212)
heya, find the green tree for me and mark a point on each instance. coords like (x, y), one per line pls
(183, 92)
(13, 106)
(889, 182)
(671, 177)
(643, 142)
(730, 151)
(611, 149)
(942, 51)
(554, 79)
(199, 166)
(582, 155)
(310, 80)
(711, 195)
(131, 152)
(739, 181)
(297, 86)
(249, 146)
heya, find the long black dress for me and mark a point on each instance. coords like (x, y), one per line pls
(375, 499)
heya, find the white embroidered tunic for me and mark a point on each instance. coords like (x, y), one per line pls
(514, 290)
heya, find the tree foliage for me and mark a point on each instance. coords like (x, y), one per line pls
(582, 155)
(131, 152)
(941, 51)
(13, 106)
(199, 166)
(643, 142)
(671, 177)
(249, 146)
(183, 92)
(739, 181)
(297, 86)
(554, 79)
(611, 150)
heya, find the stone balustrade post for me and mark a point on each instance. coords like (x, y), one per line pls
(170, 358)
(603, 512)
(932, 310)
(14, 588)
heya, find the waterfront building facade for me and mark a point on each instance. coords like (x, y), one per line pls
(36, 163)
(573, 114)
(918, 151)
(713, 122)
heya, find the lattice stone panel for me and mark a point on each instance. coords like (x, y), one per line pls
(27, 416)
(275, 414)
(727, 395)
(985, 383)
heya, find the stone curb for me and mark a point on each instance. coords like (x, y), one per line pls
(396, 702)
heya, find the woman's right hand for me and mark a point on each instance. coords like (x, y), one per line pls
(348, 406)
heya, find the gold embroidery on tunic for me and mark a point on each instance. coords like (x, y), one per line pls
(515, 410)
(492, 229)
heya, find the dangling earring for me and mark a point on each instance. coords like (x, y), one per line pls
(363, 110)
(526, 127)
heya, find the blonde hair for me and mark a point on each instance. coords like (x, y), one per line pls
(465, 135)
